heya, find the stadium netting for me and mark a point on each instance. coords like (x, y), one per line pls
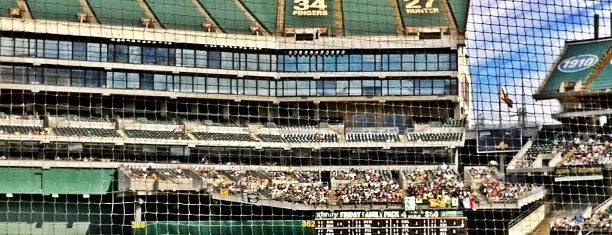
(310, 117)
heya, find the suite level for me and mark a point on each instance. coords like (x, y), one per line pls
(215, 57)
(223, 84)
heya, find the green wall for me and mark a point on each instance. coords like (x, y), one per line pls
(259, 227)
(25, 180)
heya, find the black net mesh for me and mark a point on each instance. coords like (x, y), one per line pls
(322, 117)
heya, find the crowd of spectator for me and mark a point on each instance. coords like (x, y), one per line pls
(567, 223)
(594, 150)
(294, 176)
(599, 221)
(144, 172)
(479, 173)
(498, 191)
(211, 176)
(307, 193)
(243, 181)
(296, 186)
(370, 193)
(367, 186)
(439, 185)
(350, 174)
(525, 161)
(148, 172)
(172, 173)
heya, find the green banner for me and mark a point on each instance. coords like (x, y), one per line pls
(253, 227)
(309, 14)
(422, 13)
(578, 170)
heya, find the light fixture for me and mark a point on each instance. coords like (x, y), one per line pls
(255, 30)
(208, 27)
(146, 22)
(82, 17)
(15, 12)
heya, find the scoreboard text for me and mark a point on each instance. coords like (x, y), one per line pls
(389, 222)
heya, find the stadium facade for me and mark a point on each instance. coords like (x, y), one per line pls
(237, 117)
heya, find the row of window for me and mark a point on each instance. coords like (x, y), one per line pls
(216, 58)
(214, 84)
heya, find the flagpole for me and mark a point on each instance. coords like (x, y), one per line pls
(499, 109)
(523, 110)
(499, 88)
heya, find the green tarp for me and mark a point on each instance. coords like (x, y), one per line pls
(177, 14)
(63, 10)
(460, 11)
(366, 17)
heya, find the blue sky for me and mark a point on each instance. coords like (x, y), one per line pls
(510, 40)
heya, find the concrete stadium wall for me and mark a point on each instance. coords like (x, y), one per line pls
(530, 222)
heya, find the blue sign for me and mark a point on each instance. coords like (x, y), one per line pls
(578, 63)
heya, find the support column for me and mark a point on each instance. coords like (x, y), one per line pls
(502, 164)
(138, 210)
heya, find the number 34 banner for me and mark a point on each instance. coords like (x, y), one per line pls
(309, 8)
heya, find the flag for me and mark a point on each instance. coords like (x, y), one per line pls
(468, 202)
(503, 96)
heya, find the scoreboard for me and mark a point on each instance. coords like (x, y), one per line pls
(502, 140)
(388, 222)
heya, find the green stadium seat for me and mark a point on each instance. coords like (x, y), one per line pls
(222, 136)
(372, 137)
(366, 17)
(227, 15)
(270, 138)
(538, 148)
(22, 130)
(309, 138)
(434, 136)
(117, 12)
(62, 10)
(177, 14)
(451, 122)
(299, 138)
(150, 134)
(85, 132)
